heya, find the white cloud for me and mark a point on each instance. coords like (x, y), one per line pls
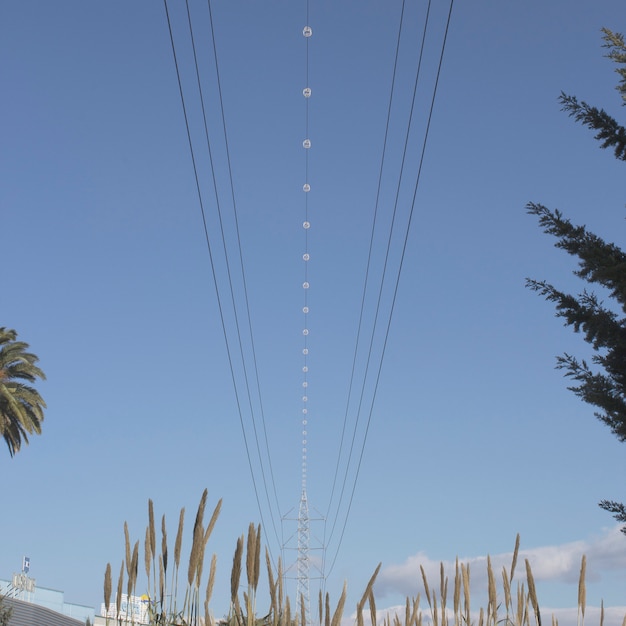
(560, 564)
(549, 563)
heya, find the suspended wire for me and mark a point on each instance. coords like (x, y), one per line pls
(384, 272)
(219, 300)
(398, 274)
(211, 258)
(382, 280)
(367, 270)
(245, 292)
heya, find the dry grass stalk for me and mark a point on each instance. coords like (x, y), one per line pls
(127, 548)
(492, 607)
(407, 613)
(201, 507)
(336, 620)
(465, 575)
(179, 538)
(582, 592)
(237, 612)
(435, 611)
(134, 565)
(147, 555)
(161, 582)
(177, 547)
(257, 558)
(107, 587)
(213, 520)
(132, 572)
(211, 581)
(129, 587)
(555, 622)
(273, 590)
(416, 615)
(236, 571)
(514, 560)
(152, 529)
(506, 585)
(118, 598)
(601, 612)
(246, 603)
(208, 620)
(457, 592)
(164, 543)
(250, 552)
(370, 585)
(287, 616)
(372, 602)
(426, 589)
(320, 606)
(303, 610)
(443, 591)
(532, 593)
(481, 617)
(198, 540)
(521, 601)
(366, 595)
(327, 603)
(279, 578)
(252, 584)
(200, 560)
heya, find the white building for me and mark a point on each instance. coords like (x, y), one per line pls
(38, 606)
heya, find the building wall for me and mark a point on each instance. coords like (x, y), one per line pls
(28, 614)
(50, 599)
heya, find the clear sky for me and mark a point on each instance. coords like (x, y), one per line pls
(473, 435)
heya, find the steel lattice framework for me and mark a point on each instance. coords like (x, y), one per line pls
(303, 568)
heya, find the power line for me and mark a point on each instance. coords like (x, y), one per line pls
(245, 292)
(370, 364)
(382, 279)
(367, 270)
(211, 257)
(399, 271)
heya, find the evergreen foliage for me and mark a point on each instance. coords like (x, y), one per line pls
(21, 406)
(599, 263)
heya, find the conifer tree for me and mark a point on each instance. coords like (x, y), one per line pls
(603, 383)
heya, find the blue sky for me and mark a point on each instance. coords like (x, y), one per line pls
(473, 435)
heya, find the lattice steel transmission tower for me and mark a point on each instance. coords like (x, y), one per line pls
(303, 565)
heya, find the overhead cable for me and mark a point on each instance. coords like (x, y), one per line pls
(398, 274)
(210, 251)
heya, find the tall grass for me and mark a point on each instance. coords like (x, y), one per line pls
(511, 605)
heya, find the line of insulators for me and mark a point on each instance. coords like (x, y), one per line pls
(306, 144)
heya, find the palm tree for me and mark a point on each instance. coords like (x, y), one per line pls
(21, 406)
